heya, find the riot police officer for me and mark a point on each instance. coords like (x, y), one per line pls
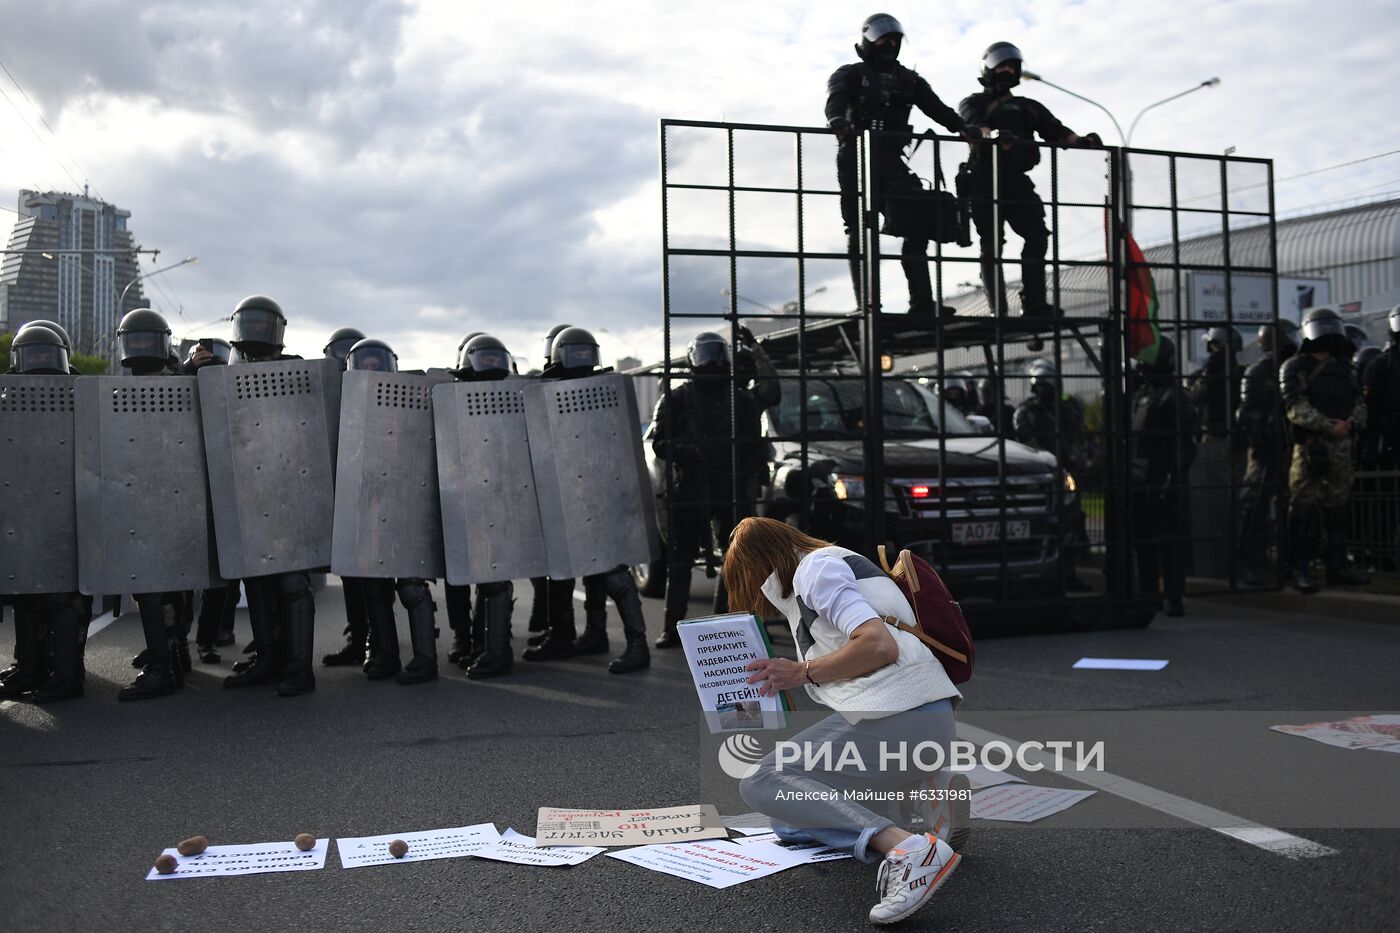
(877, 93)
(373, 355)
(1046, 421)
(994, 407)
(692, 436)
(144, 338)
(484, 637)
(62, 336)
(538, 628)
(341, 341)
(1324, 406)
(1380, 382)
(1215, 387)
(285, 598)
(1258, 418)
(1163, 447)
(957, 390)
(574, 355)
(1016, 120)
(52, 673)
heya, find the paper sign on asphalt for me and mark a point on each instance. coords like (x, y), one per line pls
(1378, 733)
(244, 860)
(980, 776)
(513, 847)
(556, 826)
(749, 824)
(716, 864)
(461, 842)
(1023, 803)
(1118, 664)
(812, 852)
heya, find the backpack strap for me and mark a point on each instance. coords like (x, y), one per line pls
(926, 638)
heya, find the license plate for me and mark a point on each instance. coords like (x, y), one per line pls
(984, 532)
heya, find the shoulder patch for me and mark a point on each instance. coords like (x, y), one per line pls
(863, 567)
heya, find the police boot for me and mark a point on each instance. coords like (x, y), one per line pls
(623, 590)
(384, 633)
(30, 668)
(594, 639)
(539, 611)
(476, 630)
(157, 679)
(356, 627)
(298, 613)
(497, 659)
(69, 633)
(184, 620)
(226, 636)
(677, 602)
(1302, 543)
(422, 633)
(559, 643)
(1340, 571)
(262, 619)
(459, 620)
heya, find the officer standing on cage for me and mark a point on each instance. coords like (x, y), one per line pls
(1215, 387)
(144, 338)
(377, 593)
(574, 355)
(1163, 448)
(258, 326)
(50, 628)
(877, 93)
(692, 436)
(1325, 408)
(1016, 121)
(1259, 418)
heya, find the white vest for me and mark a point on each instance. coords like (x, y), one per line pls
(915, 678)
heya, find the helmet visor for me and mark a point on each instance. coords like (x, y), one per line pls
(258, 325)
(577, 356)
(1007, 53)
(144, 344)
(880, 26)
(489, 360)
(339, 350)
(710, 354)
(41, 359)
(374, 359)
(1320, 327)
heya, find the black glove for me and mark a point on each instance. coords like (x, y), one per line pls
(746, 337)
(1091, 141)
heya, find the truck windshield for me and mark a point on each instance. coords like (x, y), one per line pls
(836, 408)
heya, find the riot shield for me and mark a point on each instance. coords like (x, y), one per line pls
(269, 435)
(490, 519)
(594, 494)
(38, 520)
(387, 519)
(142, 491)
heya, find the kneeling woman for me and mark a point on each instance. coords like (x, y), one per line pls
(888, 692)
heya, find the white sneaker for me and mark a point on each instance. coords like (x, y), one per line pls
(909, 876)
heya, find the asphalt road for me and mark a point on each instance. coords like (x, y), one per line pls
(92, 790)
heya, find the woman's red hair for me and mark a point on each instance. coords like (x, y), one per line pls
(759, 548)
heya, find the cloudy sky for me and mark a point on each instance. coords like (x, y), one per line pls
(422, 169)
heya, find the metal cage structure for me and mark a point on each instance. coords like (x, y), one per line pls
(864, 442)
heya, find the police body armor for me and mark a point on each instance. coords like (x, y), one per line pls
(1328, 387)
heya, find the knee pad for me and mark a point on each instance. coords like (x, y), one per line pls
(413, 593)
(620, 583)
(293, 586)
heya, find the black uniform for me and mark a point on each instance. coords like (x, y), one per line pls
(692, 435)
(1215, 391)
(870, 95)
(1380, 384)
(1259, 420)
(1016, 199)
(1164, 446)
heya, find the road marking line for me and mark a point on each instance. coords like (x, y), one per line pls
(1236, 827)
(99, 624)
(578, 596)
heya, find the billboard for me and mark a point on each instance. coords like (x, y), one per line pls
(1251, 297)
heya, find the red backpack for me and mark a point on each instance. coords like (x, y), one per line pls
(941, 624)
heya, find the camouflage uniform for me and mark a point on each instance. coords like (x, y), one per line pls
(1312, 392)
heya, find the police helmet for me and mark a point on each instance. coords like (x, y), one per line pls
(1000, 53)
(1165, 361)
(38, 351)
(143, 335)
(957, 389)
(1320, 324)
(56, 328)
(708, 353)
(1363, 357)
(338, 346)
(484, 357)
(258, 322)
(217, 346)
(1394, 321)
(1223, 337)
(467, 339)
(1287, 335)
(879, 26)
(574, 348)
(554, 331)
(373, 355)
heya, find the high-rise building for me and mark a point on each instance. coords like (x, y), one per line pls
(79, 290)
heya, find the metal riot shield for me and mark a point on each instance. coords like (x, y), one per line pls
(387, 519)
(38, 519)
(269, 436)
(490, 519)
(143, 495)
(594, 494)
